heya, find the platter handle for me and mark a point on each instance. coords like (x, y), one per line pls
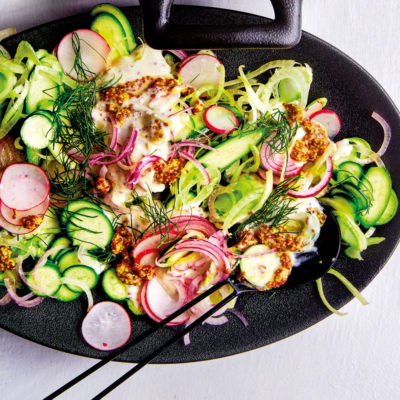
(160, 32)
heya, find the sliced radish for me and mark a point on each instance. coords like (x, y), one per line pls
(94, 51)
(220, 119)
(199, 70)
(14, 229)
(313, 107)
(329, 120)
(14, 217)
(314, 190)
(24, 186)
(159, 304)
(107, 326)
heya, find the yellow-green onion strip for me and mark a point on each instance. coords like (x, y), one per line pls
(325, 301)
(349, 286)
(256, 159)
(220, 90)
(17, 143)
(5, 33)
(253, 98)
(264, 68)
(269, 185)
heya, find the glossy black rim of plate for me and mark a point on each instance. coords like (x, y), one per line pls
(353, 94)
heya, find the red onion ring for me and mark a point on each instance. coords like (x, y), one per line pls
(22, 301)
(5, 299)
(198, 165)
(127, 150)
(276, 162)
(179, 53)
(143, 164)
(317, 188)
(386, 131)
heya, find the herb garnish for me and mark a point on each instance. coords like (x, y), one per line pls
(276, 209)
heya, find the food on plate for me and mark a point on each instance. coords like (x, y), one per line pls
(151, 175)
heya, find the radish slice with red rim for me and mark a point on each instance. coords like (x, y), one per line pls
(94, 51)
(329, 120)
(107, 326)
(14, 229)
(24, 186)
(220, 119)
(159, 304)
(199, 70)
(14, 217)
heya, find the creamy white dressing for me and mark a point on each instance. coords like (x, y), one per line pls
(150, 106)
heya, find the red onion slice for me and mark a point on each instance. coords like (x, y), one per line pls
(5, 299)
(314, 190)
(386, 131)
(198, 165)
(143, 164)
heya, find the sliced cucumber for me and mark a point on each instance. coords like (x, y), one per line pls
(107, 26)
(113, 287)
(37, 132)
(90, 226)
(231, 150)
(390, 210)
(64, 294)
(82, 274)
(378, 181)
(57, 151)
(119, 15)
(359, 197)
(33, 155)
(288, 91)
(259, 270)
(133, 301)
(68, 259)
(75, 206)
(350, 172)
(41, 88)
(61, 241)
(47, 278)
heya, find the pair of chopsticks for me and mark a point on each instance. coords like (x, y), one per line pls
(143, 336)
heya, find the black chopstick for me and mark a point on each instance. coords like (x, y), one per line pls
(160, 349)
(140, 338)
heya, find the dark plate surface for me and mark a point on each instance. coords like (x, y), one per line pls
(353, 94)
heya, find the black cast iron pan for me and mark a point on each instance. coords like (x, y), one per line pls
(352, 93)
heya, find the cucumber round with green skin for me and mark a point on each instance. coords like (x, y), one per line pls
(119, 15)
(65, 295)
(107, 26)
(231, 150)
(61, 241)
(113, 287)
(37, 132)
(33, 155)
(379, 184)
(82, 274)
(68, 259)
(350, 172)
(258, 271)
(41, 88)
(75, 206)
(91, 227)
(361, 198)
(47, 278)
(390, 210)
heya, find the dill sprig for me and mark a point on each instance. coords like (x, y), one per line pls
(277, 129)
(159, 218)
(74, 129)
(277, 208)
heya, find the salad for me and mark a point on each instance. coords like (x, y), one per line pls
(152, 176)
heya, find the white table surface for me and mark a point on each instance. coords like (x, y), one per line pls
(354, 357)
